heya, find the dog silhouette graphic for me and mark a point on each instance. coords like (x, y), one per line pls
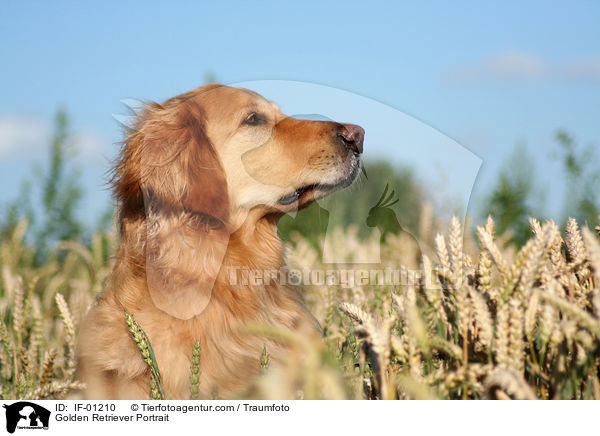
(28, 415)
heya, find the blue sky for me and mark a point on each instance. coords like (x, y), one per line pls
(486, 76)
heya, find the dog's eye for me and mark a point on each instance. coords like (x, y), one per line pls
(254, 119)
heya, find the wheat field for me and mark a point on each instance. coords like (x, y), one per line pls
(478, 319)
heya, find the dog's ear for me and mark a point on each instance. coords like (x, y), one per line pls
(206, 190)
(167, 166)
(189, 176)
(169, 161)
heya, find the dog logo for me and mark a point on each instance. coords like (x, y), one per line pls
(26, 415)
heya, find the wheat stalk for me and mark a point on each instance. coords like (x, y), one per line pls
(583, 318)
(487, 242)
(482, 319)
(143, 344)
(195, 370)
(576, 248)
(509, 382)
(48, 367)
(65, 315)
(55, 390)
(515, 335)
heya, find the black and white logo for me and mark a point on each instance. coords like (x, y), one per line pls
(26, 415)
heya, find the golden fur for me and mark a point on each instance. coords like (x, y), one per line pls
(201, 184)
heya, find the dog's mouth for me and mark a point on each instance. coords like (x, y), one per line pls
(316, 191)
(288, 199)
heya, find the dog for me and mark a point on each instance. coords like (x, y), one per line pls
(201, 182)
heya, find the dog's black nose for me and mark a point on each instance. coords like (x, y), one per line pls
(352, 136)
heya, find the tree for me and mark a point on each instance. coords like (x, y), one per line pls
(52, 218)
(582, 173)
(61, 192)
(511, 201)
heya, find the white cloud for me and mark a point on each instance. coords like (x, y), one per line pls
(517, 65)
(29, 136)
(20, 135)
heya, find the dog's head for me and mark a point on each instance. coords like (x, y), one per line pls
(223, 152)
(202, 165)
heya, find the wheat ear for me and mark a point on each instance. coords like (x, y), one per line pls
(67, 319)
(195, 370)
(143, 343)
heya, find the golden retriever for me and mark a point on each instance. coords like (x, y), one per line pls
(201, 181)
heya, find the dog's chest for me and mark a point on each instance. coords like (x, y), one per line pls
(227, 360)
(173, 351)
